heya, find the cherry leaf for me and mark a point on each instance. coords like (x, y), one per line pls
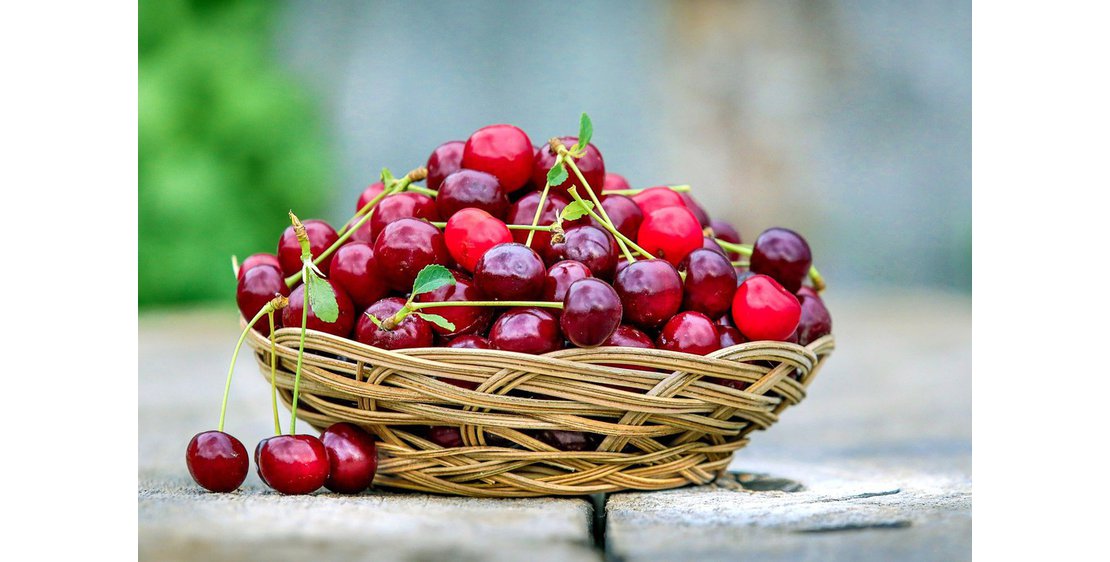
(437, 320)
(431, 278)
(576, 210)
(585, 131)
(321, 297)
(557, 174)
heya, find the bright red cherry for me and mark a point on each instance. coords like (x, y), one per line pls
(470, 188)
(256, 288)
(784, 255)
(397, 206)
(294, 464)
(591, 165)
(510, 272)
(355, 270)
(655, 198)
(709, 284)
(670, 233)
(467, 319)
(369, 194)
(763, 310)
(613, 182)
(527, 330)
(217, 461)
(502, 150)
(560, 276)
(320, 237)
(470, 233)
(405, 247)
(690, 332)
(625, 214)
(445, 160)
(255, 260)
(352, 458)
(413, 331)
(651, 292)
(291, 315)
(591, 312)
(594, 247)
(815, 321)
(695, 208)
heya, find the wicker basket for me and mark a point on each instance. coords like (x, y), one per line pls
(663, 427)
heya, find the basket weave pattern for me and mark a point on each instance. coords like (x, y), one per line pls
(664, 427)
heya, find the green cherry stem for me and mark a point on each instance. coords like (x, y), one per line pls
(569, 159)
(273, 376)
(410, 307)
(539, 207)
(746, 250)
(306, 259)
(276, 303)
(678, 188)
(422, 190)
(616, 233)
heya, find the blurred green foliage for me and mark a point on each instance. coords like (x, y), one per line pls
(228, 143)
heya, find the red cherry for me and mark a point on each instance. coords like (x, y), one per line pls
(670, 233)
(294, 464)
(413, 331)
(627, 336)
(784, 255)
(404, 247)
(445, 160)
(217, 461)
(815, 321)
(510, 272)
(591, 312)
(650, 291)
(690, 332)
(445, 436)
(470, 233)
(655, 198)
(594, 247)
(291, 315)
(524, 210)
(256, 288)
(467, 319)
(394, 207)
(355, 270)
(559, 278)
(320, 237)
(709, 284)
(527, 330)
(470, 188)
(708, 243)
(369, 194)
(469, 341)
(763, 310)
(352, 458)
(591, 165)
(613, 182)
(502, 150)
(730, 336)
(693, 206)
(625, 214)
(255, 260)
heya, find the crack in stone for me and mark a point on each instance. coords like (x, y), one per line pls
(899, 524)
(860, 496)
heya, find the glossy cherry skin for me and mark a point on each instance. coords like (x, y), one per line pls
(355, 270)
(413, 331)
(320, 237)
(217, 461)
(469, 341)
(257, 456)
(467, 319)
(566, 440)
(291, 314)
(591, 312)
(784, 255)
(527, 330)
(470, 233)
(256, 288)
(502, 150)
(659, 197)
(594, 247)
(708, 243)
(368, 195)
(710, 283)
(255, 260)
(726, 232)
(763, 310)
(730, 336)
(670, 233)
(592, 166)
(690, 332)
(627, 336)
(625, 214)
(614, 182)
(559, 278)
(510, 272)
(651, 292)
(470, 188)
(405, 247)
(294, 464)
(445, 160)
(352, 458)
(394, 207)
(695, 208)
(815, 320)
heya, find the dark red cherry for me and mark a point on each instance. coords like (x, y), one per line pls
(726, 232)
(784, 255)
(763, 310)
(625, 214)
(445, 436)
(670, 233)
(255, 260)
(730, 336)
(470, 188)
(355, 270)
(560, 276)
(694, 207)
(651, 292)
(627, 336)
(659, 197)
(710, 283)
(592, 166)
(256, 288)
(320, 237)
(815, 320)
(614, 182)
(394, 207)
(217, 461)
(566, 440)
(291, 315)
(470, 233)
(467, 319)
(690, 332)
(257, 455)
(526, 330)
(708, 243)
(510, 272)
(369, 194)
(524, 210)
(445, 160)
(594, 247)
(294, 464)
(469, 341)
(807, 291)
(405, 247)
(502, 150)
(413, 331)
(352, 458)
(591, 312)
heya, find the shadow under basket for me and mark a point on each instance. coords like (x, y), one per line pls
(652, 419)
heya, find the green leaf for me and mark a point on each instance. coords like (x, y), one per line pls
(557, 174)
(387, 177)
(321, 297)
(437, 320)
(374, 319)
(585, 131)
(576, 210)
(431, 278)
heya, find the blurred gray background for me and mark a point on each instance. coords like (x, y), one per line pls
(849, 121)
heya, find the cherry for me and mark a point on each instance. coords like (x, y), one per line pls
(560, 276)
(655, 198)
(698, 211)
(445, 436)
(255, 260)
(651, 292)
(690, 332)
(627, 336)
(413, 331)
(625, 214)
(670, 233)
(394, 207)
(510, 272)
(355, 270)
(352, 458)
(592, 166)
(294, 464)
(526, 330)
(405, 247)
(368, 194)
(807, 291)
(815, 320)
(566, 440)
(445, 160)
(257, 456)
(784, 255)
(594, 247)
(467, 319)
(763, 310)
(730, 336)
(320, 237)
(615, 182)
(469, 341)
(502, 150)
(711, 244)
(591, 312)
(709, 284)
(291, 315)
(470, 233)
(524, 210)
(470, 188)
(217, 461)
(256, 288)
(726, 232)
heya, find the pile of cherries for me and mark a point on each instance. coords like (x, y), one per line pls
(542, 249)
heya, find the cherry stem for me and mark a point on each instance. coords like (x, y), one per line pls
(746, 250)
(274, 304)
(273, 376)
(300, 362)
(539, 211)
(741, 263)
(621, 238)
(422, 190)
(678, 188)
